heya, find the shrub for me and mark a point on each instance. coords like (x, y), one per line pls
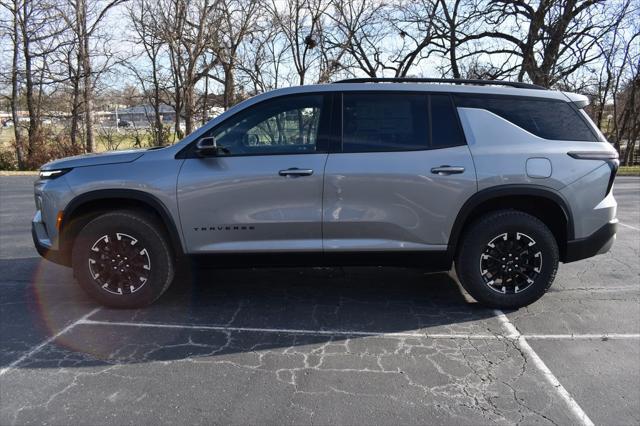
(51, 145)
(8, 160)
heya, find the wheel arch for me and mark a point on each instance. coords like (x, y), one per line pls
(85, 207)
(544, 203)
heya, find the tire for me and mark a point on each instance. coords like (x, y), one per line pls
(137, 247)
(516, 271)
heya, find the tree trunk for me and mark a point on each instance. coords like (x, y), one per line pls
(15, 93)
(75, 103)
(229, 87)
(178, 107)
(86, 75)
(453, 57)
(204, 100)
(159, 139)
(188, 109)
(627, 160)
(34, 120)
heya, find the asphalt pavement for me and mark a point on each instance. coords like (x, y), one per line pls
(318, 345)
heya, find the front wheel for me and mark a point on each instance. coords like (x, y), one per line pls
(507, 259)
(122, 259)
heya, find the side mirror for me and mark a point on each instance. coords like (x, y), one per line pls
(207, 147)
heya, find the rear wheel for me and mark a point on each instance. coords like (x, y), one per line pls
(122, 259)
(507, 259)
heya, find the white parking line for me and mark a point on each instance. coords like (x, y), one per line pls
(628, 226)
(357, 333)
(548, 375)
(35, 349)
(308, 332)
(605, 336)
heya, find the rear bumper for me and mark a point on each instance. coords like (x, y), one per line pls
(597, 243)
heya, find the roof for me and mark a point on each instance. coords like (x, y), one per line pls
(415, 87)
(457, 81)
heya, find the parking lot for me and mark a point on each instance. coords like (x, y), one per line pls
(318, 345)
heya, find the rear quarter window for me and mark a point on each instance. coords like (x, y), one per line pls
(546, 118)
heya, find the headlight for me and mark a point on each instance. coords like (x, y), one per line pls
(52, 174)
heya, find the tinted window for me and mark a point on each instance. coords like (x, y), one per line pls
(283, 126)
(445, 129)
(549, 119)
(384, 122)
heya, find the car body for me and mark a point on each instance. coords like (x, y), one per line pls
(351, 173)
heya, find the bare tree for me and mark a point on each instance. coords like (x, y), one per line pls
(87, 20)
(414, 22)
(382, 38)
(35, 29)
(360, 28)
(559, 39)
(263, 57)
(143, 14)
(615, 50)
(66, 76)
(14, 9)
(459, 26)
(237, 21)
(300, 23)
(188, 27)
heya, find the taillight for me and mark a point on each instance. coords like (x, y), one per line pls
(611, 158)
(613, 165)
(593, 155)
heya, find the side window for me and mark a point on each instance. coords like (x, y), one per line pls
(546, 118)
(288, 125)
(384, 122)
(445, 129)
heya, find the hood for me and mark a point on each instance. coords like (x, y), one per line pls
(96, 159)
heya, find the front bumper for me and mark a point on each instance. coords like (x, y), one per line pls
(43, 244)
(597, 243)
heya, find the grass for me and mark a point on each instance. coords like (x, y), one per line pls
(126, 142)
(125, 139)
(629, 171)
(6, 136)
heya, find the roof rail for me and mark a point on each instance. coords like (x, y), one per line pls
(516, 84)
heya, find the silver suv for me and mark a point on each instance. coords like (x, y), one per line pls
(504, 179)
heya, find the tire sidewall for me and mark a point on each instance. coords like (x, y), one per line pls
(486, 229)
(149, 237)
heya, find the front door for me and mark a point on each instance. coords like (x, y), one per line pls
(263, 191)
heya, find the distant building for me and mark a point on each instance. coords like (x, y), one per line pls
(144, 114)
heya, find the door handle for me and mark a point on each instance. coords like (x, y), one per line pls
(295, 172)
(447, 170)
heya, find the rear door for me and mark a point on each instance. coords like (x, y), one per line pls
(401, 176)
(263, 191)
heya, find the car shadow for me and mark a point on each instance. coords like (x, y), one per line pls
(213, 313)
